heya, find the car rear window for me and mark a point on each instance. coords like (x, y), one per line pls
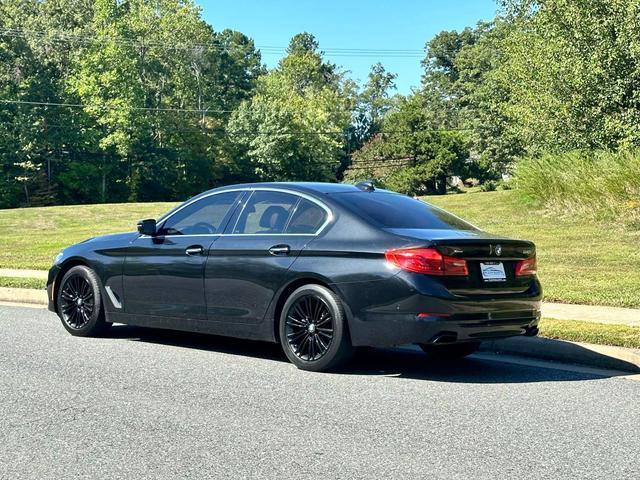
(392, 210)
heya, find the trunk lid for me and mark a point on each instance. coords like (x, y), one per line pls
(482, 251)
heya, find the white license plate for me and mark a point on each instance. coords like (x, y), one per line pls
(493, 272)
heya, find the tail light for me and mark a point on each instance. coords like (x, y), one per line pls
(527, 267)
(426, 260)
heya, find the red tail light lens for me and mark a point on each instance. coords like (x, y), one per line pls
(527, 267)
(426, 260)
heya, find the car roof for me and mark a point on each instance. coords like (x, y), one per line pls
(313, 187)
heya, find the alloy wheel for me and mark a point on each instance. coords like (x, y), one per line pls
(309, 328)
(77, 301)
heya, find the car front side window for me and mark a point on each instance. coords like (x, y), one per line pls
(202, 217)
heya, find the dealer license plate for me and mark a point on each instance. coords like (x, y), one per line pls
(493, 272)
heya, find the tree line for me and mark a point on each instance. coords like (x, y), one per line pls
(139, 100)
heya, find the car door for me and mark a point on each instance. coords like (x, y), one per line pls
(248, 264)
(163, 274)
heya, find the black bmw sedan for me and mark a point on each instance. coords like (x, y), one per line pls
(321, 268)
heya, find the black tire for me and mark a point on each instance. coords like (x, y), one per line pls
(315, 313)
(79, 303)
(454, 351)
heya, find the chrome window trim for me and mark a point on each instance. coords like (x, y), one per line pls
(328, 220)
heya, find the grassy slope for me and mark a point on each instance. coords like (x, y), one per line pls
(32, 236)
(579, 261)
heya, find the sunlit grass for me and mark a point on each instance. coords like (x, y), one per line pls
(31, 237)
(20, 282)
(589, 332)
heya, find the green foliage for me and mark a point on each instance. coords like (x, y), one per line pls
(426, 157)
(373, 104)
(143, 100)
(595, 183)
(294, 126)
(572, 72)
(149, 87)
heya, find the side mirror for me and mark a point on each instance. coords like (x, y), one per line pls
(147, 227)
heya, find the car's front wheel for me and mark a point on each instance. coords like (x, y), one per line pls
(449, 352)
(80, 303)
(313, 329)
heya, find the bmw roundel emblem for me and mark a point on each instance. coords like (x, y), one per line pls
(498, 250)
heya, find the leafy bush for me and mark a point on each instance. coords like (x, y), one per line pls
(596, 183)
(489, 186)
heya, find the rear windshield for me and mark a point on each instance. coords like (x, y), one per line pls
(391, 210)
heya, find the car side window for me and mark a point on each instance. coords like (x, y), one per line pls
(307, 218)
(266, 213)
(202, 217)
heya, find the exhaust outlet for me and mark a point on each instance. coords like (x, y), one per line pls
(444, 338)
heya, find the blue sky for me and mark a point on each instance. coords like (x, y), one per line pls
(351, 24)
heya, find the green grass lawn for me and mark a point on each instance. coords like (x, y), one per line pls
(579, 261)
(19, 282)
(589, 332)
(31, 237)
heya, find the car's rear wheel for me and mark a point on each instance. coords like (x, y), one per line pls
(313, 329)
(449, 352)
(80, 303)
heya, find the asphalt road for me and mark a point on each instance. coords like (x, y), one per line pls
(153, 404)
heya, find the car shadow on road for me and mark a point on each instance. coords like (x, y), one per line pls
(401, 363)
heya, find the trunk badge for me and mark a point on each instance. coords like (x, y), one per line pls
(497, 250)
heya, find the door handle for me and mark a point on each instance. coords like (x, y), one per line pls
(194, 250)
(280, 250)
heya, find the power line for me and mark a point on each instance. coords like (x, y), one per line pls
(265, 49)
(108, 107)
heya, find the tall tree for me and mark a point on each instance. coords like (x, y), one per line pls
(374, 102)
(572, 71)
(294, 127)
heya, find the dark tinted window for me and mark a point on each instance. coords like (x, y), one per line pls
(266, 213)
(307, 218)
(204, 216)
(389, 210)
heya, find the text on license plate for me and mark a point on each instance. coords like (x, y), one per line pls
(493, 272)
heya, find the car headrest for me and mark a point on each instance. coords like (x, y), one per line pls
(274, 218)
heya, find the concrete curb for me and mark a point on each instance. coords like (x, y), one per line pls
(23, 295)
(599, 356)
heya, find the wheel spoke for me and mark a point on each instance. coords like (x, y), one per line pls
(321, 344)
(324, 319)
(295, 322)
(68, 307)
(296, 335)
(298, 310)
(303, 344)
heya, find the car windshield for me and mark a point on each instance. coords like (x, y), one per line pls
(392, 210)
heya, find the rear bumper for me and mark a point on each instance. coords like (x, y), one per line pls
(396, 312)
(404, 329)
